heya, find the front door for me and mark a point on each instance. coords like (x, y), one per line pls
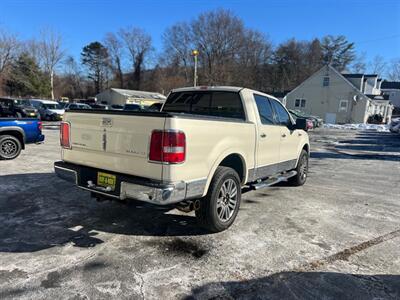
(268, 139)
(289, 138)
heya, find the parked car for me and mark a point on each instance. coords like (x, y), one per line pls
(155, 107)
(77, 106)
(17, 108)
(317, 121)
(196, 154)
(99, 106)
(62, 104)
(116, 107)
(132, 107)
(394, 125)
(16, 133)
(49, 110)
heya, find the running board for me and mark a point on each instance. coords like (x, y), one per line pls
(273, 180)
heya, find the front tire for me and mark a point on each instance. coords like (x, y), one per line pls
(10, 147)
(301, 169)
(220, 206)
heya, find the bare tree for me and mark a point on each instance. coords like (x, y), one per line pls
(51, 53)
(177, 48)
(359, 65)
(9, 46)
(138, 44)
(394, 70)
(115, 49)
(255, 52)
(378, 65)
(218, 35)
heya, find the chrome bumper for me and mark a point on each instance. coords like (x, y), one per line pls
(155, 193)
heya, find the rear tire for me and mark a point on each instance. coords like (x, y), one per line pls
(301, 169)
(219, 208)
(10, 147)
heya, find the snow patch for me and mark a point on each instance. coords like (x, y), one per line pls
(360, 126)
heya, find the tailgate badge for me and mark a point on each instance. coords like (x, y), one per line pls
(106, 122)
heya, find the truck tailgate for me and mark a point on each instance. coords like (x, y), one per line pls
(114, 142)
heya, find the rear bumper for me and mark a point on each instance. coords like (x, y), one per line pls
(131, 187)
(40, 138)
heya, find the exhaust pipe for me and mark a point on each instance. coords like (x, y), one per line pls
(188, 206)
(196, 204)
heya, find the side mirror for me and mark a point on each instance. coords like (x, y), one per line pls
(301, 124)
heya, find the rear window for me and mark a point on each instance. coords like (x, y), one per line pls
(218, 104)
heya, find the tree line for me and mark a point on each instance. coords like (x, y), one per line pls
(230, 53)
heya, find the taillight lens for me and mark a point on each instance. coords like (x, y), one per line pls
(167, 146)
(40, 125)
(65, 135)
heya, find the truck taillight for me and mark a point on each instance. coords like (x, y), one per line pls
(40, 125)
(65, 135)
(167, 146)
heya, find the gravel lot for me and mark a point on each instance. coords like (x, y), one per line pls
(336, 237)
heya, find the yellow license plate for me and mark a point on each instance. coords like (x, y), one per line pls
(106, 180)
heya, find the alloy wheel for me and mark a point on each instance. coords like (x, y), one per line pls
(227, 200)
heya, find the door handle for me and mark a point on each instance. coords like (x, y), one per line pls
(283, 135)
(263, 135)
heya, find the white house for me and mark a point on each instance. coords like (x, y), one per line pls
(340, 98)
(121, 97)
(392, 90)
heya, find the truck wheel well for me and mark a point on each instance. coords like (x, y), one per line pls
(15, 134)
(235, 162)
(306, 147)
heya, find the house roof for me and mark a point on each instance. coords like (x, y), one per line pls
(353, 75)
(279, 94)
(378, 97)
(139, 94)
(390, 85)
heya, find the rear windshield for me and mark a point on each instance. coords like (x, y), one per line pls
(218, 104)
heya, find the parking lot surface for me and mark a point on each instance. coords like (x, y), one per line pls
(337, 236)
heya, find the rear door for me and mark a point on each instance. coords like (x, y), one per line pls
(289, 138)
(268, 139)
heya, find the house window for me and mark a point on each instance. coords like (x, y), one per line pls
(300, 103)
(343, 104)
(326, 81)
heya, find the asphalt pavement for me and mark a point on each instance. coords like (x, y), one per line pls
(336, 237)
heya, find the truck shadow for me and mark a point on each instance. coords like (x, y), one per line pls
(304, 285)
(39, 211)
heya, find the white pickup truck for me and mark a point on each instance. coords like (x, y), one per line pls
(197, 153)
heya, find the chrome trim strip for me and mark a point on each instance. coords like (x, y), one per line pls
(269, 170)
(66, 170)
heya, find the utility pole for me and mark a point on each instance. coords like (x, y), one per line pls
(195, 53)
